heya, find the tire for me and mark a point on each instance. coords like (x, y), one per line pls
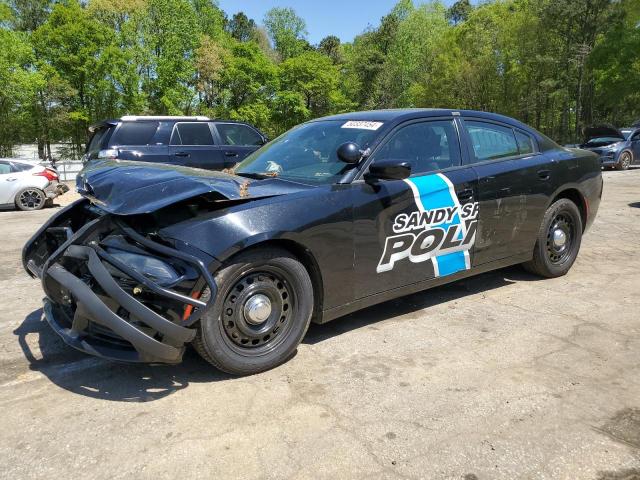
(550, 259)
(30, 199)
(241, 341)
(624, 161)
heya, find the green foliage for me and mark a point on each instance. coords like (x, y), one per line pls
(241, 27)
(287, 31)
(556, 64)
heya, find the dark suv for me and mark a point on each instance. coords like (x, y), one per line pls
(191, 141)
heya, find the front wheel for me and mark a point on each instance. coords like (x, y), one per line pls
(558, 241)
(624, 162)
(261, 314)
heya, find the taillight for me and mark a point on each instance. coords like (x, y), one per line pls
(49, 174)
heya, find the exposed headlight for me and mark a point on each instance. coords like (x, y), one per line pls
(151, 267)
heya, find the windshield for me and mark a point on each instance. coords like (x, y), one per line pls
(307, 153)
(604, 140)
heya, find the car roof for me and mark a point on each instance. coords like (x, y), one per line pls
(20, 160)
(402, 114)
(158, 118)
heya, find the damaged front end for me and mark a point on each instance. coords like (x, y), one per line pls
(118, 292)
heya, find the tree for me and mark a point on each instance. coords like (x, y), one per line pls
(29, 14)
(71, 42)
(241, 27)
(314, 76)
(330, 46)
(210, 63)
(286, 30)
(459, 11)
(211, 19)
(169, 34)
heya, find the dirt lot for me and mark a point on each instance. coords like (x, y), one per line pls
(500, 376)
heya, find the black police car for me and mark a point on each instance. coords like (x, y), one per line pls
(338, 214)
(190, 141)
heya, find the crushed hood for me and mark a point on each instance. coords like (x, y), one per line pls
(596, 131)
(131, 188)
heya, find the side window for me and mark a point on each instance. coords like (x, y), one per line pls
(491, 141)
(525, 143)
(191, 134)
(636, 136)
(427, 146)
(95, 141)
(236, 134)
(134, 133)
(20, 167)
(5, 168)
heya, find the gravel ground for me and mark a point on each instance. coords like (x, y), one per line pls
(500, 376)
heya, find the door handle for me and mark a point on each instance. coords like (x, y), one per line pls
(11, 179)
(230, 154)
(544, 174)
(181, 154)
(464, 195)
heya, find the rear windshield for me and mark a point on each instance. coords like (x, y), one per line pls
(134, 133)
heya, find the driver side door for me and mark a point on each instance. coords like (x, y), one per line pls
(420, 228)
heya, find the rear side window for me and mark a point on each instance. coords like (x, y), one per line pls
(191, 134)
(96, 139)
(20, 167)
(235, 134)
(5, 168)
(525, 143)
(135, 133)
(491, 141)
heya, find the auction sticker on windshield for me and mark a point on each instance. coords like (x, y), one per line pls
(363, 125)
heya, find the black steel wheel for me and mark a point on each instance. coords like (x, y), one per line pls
(558, 241)
(263, 310)
(624, 161)
(30, 199)
(560, 235)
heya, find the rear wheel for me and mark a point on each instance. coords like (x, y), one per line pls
(558, 241)
(261, 314)
(624, 161)
(30, 199)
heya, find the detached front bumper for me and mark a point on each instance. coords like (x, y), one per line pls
(102, 307)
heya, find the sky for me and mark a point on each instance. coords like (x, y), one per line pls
(343, 18)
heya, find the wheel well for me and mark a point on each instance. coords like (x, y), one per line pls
(308, 261)
(576, 197)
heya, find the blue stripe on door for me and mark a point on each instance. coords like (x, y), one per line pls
(435, 193)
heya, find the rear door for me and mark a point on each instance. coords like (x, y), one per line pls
(192, 144)
(514, 182)
(423, 227)
(237, 140)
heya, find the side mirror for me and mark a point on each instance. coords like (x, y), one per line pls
(388, 170)
(265, 140)
(349, 153)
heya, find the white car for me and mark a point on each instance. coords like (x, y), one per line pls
(27, 185)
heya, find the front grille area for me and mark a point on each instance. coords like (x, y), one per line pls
(105, 307)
